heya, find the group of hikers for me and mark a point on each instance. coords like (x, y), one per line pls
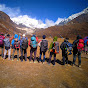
(21, 43)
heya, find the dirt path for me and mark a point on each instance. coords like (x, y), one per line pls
(19, 74)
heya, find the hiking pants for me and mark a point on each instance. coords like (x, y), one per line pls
(86, 49)
(9, 52)
(2, 50)
(31, 52)
(41, 55)
(51, 53)
(25, 54)
(17, 53)
(79, 58)
(65, 56)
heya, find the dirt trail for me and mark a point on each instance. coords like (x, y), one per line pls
(19, 74)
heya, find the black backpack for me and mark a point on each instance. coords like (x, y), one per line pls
(24, 43)
(16, 43)
(44, 45)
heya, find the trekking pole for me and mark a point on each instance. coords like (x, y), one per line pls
(60, 35)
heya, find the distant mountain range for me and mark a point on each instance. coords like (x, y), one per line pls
(84, 12)
(70, 27)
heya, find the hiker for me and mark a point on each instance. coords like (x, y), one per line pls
(77, 49)
(16, 46)
(54, 49)
(43, 48)
(23, 47)
(7, 41)
(86, 45)
(33, 47)
(63, 47)
(2, 43)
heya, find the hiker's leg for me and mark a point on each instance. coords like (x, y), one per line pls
(50, 57)
(31, 52)
(2, 51)
(85, 49)
(40, 55)
(13, 54)
(17, 54)
(66, 59)
(21, 54)
(9, 53)
(74, 58)
(43, 56)
(79, 58)
(63, 60)
(35, 54)
(25, 54)
(5, 53)
(54, 58)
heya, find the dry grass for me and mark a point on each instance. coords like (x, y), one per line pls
(19, 74)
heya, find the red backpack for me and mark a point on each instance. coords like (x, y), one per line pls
(55, 49)
(80, 45)
(87, 42)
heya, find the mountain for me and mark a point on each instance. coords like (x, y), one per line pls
(85, 11)
(8, 26)
(77, 26)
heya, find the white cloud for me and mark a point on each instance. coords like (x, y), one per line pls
(12, 12)
(15, 15)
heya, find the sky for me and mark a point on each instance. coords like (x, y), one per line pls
(41, 13)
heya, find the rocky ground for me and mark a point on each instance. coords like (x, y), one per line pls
(17, 74)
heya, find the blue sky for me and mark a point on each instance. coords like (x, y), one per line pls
(44, 9)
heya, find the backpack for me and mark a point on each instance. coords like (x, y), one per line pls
(55, 47)
(69, 48)
(80, 45)
(33, 42)
(1, 41)
(16, 43)
(44, 45)
(6, 42)
(24, 43)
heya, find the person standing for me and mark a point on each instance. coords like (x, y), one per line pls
(2, 43)
(16, 46)
(7, 41)
(54, 49)
(76, 51)
(33, 48)
(43, 48)
(23, 47)
(63, 47)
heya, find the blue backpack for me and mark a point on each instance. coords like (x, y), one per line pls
(33, 42)
(69, 48)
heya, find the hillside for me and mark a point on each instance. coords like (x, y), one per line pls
(7, 25)
(77, 26)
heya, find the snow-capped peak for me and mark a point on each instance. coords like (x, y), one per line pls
(85, 11)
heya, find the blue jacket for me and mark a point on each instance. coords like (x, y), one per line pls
(85, 42)
(15, 36)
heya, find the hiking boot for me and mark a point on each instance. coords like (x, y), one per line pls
(35, 61)
(73, 65)
(12, 59)
(30, 62)
(9, 59)
(48, 63)
(79, 66)
(3, 58)
(17, 60)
